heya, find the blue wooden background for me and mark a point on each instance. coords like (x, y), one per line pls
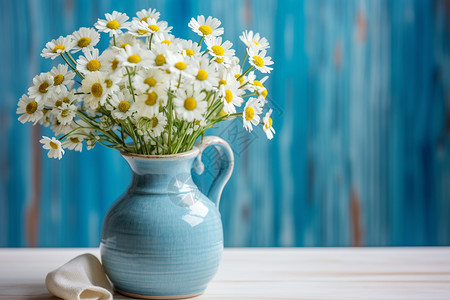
(361, 94)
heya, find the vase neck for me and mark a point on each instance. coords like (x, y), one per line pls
(152, 175)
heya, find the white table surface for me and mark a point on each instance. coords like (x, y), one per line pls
(269, 273)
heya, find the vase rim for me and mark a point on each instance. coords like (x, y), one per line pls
(191, 153)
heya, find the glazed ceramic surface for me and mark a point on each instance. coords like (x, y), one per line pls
(164, 237)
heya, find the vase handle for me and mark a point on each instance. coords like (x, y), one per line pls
(226, 159)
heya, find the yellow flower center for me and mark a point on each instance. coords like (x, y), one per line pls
(134, 58)
(153, 28)
(43, 87)
(154, 122)
(66, 100)
(180, 65)
(108, 83)
(124, 45)
(97, 90)
(256, 43)
(145, 19)
(190, 103)
(58, 47)
(218, 50)
(222, 113)
(58, 103)
(113, 24)
(142, 32)
(160, 60)
(241, 80)
(228, 96)
(124, 106)
(167, 42)
(93, 65)
(31, 107)
(151, 99)
(74, 140)
(249, 113)
(222, 82)
(114, 64)
(65, 113)
(54, 145)
(84, 42)
(150, 81)
(189, 52)
(205, 29)
(269, 123)
(219, 60)
(258, 61)
(58, 79)
(202, 75)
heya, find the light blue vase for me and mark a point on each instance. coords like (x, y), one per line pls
(163, 238)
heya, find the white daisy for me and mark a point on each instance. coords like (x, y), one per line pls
(254, 40)
(190, 104)
(251, 112)
(42, 87)
(90, 62)
(67, 97)
(153, 26)
(258, 87)
(74, 142)
(113, 82)
(133, 56)
(159, 121)
(113, 24)
(268, 129)
(146, 79)
(94, 88)
(110, 63)
(125, 39)
(85, 39)
(144, 14)
(158, 56)
(65, 113)
(54, 147)
(188, 48)
(232, 96)
(47, 117)
(178, 64)
(165, 39)
(208, 28)
(61, 77)
(221, 52)
(259, 60)
(56, 47)
(122, 106)
(148, 104)
(29, 109)
(204, 74)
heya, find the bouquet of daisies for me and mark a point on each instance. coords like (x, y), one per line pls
(148, 92)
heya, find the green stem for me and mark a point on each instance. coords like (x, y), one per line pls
(150, 42)
(201, 40)
(72, 67)
(129, 81)
(243, 62)
(246, 71)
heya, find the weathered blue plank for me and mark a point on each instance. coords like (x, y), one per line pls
(361, 108)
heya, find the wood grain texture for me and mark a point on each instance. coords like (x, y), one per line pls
(360, 93)
(268, 273)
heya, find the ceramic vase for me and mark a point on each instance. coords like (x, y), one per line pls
(162, 239)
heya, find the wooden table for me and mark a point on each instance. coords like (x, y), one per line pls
(269, 273)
